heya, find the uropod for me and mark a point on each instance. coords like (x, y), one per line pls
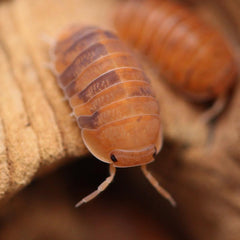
(111, 98)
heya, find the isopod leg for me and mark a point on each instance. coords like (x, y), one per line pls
(49, 66)
(47, 39)
(156, 185)
(100, 188)
(51, 43)
(214, 110)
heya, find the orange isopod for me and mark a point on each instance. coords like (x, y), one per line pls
(191, 55)
(111, 98)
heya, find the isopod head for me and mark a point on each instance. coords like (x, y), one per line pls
(126, 143)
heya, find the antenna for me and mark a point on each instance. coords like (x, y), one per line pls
(156, 185)
(101, 187)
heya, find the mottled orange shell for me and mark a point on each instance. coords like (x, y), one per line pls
(110, 95)
(191, 55)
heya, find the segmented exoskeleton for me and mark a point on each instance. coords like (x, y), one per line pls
(111, 98)
(193, 56)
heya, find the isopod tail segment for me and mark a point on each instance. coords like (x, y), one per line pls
(108, 180)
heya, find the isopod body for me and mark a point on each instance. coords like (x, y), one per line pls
(111, 98)
(193, 56)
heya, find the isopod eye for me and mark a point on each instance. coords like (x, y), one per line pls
(113, 158)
